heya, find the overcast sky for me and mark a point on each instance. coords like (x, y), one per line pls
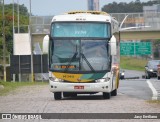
(54, 7)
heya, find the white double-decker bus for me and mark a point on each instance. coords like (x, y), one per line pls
(83, 54)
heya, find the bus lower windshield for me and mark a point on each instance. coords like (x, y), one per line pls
(79, 55)
(80, 29)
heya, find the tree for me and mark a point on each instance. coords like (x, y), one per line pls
(24, 20)
(123, 7)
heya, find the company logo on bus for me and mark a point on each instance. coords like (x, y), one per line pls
(68, 76)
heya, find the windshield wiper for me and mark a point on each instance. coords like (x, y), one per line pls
(90, 66)
(73, 57)
(83, 57)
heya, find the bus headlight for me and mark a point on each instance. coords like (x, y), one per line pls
(54, 79)
(103, 80)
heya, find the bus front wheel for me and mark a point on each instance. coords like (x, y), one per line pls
(106, 95)
(57, 95)
(114, 92)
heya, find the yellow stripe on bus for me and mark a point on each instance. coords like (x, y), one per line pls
(70, 77)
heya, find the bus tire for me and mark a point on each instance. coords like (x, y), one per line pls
(66, 94)
(114, 92)
(57, 95)
(158, 77)
(106, 95)
(74, 95)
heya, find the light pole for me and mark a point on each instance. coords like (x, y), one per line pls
(4, 44)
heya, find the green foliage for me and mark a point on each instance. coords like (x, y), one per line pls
(24, 20)
(123, 7)
(154, 101)
(133, 63)
(156, 44)
(11, 86)
(1, 47)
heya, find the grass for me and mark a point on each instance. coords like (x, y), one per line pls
(154, 101)
(133, 63)
(11, 86)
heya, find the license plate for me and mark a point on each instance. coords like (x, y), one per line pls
(78, 87)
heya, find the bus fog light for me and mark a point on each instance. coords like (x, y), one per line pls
(53, 86)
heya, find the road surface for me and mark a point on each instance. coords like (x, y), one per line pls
(131, 98)
(139, 88)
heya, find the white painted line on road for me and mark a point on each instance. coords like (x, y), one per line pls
(155, 93)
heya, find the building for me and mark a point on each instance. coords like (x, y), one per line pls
(151, 9)
(93, 5)
(158, 1)
(151, 16)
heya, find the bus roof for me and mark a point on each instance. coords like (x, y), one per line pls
(90, 12)
(84, 16)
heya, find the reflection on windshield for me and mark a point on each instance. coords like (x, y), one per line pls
(96, 54)
(63, 52)
(80, 55)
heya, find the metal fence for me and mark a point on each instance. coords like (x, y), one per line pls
(150, 20)
(7, 65)
(41, 24)
(22, 64)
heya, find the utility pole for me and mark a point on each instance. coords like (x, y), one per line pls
(32, 73)
(18, 14)
(13, 26)
(14, 77)
(4, 44)
(20, 78)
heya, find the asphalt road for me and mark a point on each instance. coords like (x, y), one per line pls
(131, 98)
(139, 88)
(136, 88)
(133, 73)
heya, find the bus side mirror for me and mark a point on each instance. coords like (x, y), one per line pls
(46, 44)
(113, 45)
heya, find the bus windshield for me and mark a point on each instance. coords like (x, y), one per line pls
(81, 29)
(79, 55)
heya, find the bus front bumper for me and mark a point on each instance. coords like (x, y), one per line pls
(80, 87)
